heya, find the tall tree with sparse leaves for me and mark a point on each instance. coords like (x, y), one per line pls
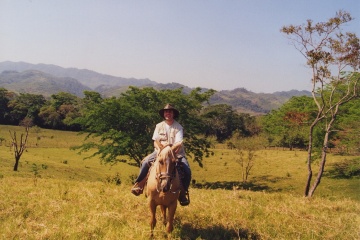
(333, 57)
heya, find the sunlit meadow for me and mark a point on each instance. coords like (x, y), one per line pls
(56, 194)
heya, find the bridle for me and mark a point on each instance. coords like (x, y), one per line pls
(170, 174)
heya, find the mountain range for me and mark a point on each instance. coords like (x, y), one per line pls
(47, 79)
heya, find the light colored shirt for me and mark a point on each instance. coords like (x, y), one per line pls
(169, 134)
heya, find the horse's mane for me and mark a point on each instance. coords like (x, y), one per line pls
(169, 151)
(166, 152)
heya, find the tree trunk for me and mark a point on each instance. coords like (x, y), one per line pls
(16, 163)
(308, 182)
(323, 160)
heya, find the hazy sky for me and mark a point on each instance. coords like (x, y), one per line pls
(219, 44)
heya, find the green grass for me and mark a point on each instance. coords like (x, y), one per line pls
(58, 195)
(50, 151)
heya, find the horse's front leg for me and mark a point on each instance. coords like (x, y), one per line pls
(163, 211)
(171, 215)
(152, 206)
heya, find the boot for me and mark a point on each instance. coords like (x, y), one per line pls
(136, 190)
(184, 197)
(138, 187)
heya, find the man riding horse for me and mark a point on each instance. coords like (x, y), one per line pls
(167, 132)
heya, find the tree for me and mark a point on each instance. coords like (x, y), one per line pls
(218, 120)
(246, 148)
(26, 105)
(18, 146)
(91, 97)
(61, 111)
(49, 117)
(222, 121)
(63, 98)
(124, 125)
(4, 110)
(287, 126)
(190, 106)
(347, 138)
(333, 57)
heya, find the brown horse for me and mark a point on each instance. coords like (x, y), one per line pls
(163, 186)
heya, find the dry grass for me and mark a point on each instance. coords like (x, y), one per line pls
(58, 195)
(65, 209)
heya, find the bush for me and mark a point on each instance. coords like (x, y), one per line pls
(114, 179)
(345, 169)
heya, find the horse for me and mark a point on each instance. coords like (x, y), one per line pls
(163, 186)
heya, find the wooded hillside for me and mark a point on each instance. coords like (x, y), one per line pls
(48, 79)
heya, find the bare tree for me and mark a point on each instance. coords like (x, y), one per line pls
(19, 146)
(333, 57)
(246, 162)
(246, 148)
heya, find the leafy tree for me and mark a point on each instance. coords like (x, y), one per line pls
(26, 105)
(347, 138)
(190, 107)
(252, 126)
(49, 117)
(119, 125)
(333, 57)
(92, 97)
(221, 121)
(4, 110)
(63, 98)
(125, 125)
(286, 126)
(61, 111)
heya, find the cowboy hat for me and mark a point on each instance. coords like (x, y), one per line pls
(169, 107)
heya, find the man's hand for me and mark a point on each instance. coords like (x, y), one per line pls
(158, 146)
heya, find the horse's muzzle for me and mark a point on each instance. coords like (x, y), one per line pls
(166, 188)
(165, 181)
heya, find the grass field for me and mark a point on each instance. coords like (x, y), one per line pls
(56, 194)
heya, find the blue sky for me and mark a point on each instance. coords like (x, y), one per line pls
(199, 43)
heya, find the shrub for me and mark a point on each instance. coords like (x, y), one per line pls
(345, 169)
(114, 179)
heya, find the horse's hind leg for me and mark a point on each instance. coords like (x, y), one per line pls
(163, 211)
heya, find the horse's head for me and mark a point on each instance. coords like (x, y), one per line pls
(166, 166)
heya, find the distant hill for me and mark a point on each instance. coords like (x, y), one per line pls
(246, 101)
(292, 93)
(86, 77)
(36, 82)
(240, 99)
(48, 79)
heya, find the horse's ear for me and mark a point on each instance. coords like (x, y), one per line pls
(176, 146)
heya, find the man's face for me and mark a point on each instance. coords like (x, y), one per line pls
(168, 114)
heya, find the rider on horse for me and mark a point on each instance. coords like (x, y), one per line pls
(167, 132)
